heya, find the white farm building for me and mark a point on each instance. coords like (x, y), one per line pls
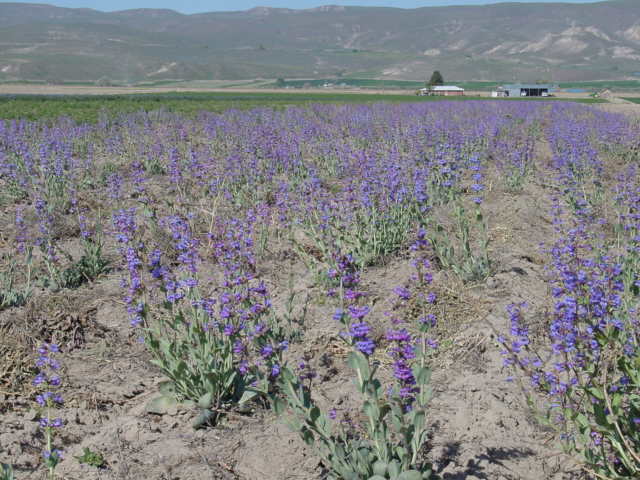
(442, 90)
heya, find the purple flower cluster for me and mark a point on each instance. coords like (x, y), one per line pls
(46, 238)
(22, 235)
(403, 352)
(131, 248)
(404, 346)
(352, 315)
(475, 166)
(48, 382)
(345, 273)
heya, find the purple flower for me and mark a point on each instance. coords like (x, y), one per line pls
(402, 292)
(366, 346)
(360, 329)
(357, 313)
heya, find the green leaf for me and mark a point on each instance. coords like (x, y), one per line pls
(314, 414)
(167, 387)
(422, 375)
(394, 469)
(308, 437)
(359, 362)
(377, 477)
(419, 419)
(279, 405)
(248, 395)
(600, 415)
(616, 400)
(206, 417)
(205, 400)
(410, 475)
(94, 459)
(582, 421)
(161, 405)
(596, 392)
(371, 410)
(380, 468)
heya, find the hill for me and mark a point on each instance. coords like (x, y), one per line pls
(513, 41)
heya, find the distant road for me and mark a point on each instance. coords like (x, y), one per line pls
(30, 89)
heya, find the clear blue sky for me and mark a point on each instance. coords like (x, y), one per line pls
(193, 6)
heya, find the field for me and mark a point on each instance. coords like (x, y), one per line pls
(89, 108)
(254, 286)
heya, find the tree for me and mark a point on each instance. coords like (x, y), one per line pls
(436, 79)
(281, 83)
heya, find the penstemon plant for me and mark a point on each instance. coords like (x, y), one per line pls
(377, 232)
(48, 380)
(389, 444)
(92, 262)
(589, 382)
(10, 294)
(211, 349)
(456, 252)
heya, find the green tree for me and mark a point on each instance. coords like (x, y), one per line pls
(436, 79)
(281, 83)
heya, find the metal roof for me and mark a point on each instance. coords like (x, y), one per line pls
(448, 88)
(526, 85)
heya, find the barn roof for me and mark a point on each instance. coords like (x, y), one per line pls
(447, 88)
(527, 85)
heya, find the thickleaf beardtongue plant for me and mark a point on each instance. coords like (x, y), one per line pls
(131, 248)
(405, 346)
(589, 378)
(217, 351)
(47, 383)
(389, 444)
(351, 314)
(475, 166)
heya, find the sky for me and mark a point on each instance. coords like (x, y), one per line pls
(196, 6)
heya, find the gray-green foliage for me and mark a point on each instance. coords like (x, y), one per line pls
(205, 360)
(456, 251)
(91, 458)
(6, 472)
(12, 295)
(197, 358)
(369, 235)
(90, 266)
(516, 174)
(376, 233)
(394, 435)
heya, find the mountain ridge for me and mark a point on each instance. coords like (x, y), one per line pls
(503, 41)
